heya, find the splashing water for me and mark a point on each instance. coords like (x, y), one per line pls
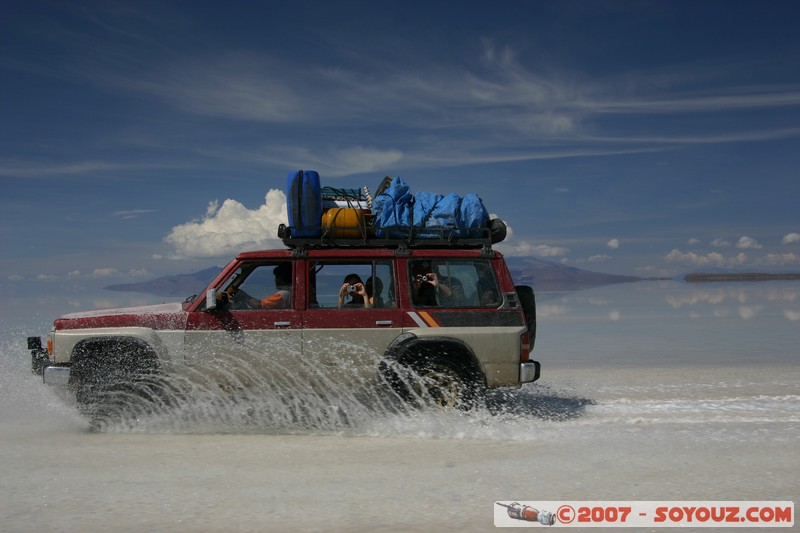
(259, 393)
(277, 392)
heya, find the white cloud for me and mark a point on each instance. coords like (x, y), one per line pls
(260, 87)
(46, 277)
(368, 159)
(720, 243)
(739, 259)
(614, 315)
(692, 241)
(231, 228)
(104, 272)
(749, 311)
(328, 161)
(39, 170)
(525, 248)
(794, 316)
(599, 258)
(132, 213)
(711, 259)
(550, 310)
(613, 244)
(782, 259)
(545, 250)
(791, 238)
(748, 243)
(696, 298)
(782, 295)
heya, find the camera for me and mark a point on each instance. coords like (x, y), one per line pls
(423, 277)
(352, 288)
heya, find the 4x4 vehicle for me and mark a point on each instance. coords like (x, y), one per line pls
(438, 318)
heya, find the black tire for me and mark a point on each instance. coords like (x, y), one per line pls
(497, 230)
(527, 300)
(447, 383)
(114, 382)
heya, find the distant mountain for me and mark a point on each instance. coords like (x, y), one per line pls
(180, 286)
(550, 276)
(543, 275)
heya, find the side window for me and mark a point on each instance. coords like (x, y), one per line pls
(453, 283)
(351, 285)
(256, 286)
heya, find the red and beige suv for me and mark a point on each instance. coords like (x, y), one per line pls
(442, 319)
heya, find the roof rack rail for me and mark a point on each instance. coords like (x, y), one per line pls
(394, 237)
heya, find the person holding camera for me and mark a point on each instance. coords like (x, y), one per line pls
(425, 284)
(353, 289)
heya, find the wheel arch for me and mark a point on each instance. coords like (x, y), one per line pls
(408, 349)
(130, 353)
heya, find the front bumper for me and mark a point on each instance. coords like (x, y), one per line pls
(39, 358)
(529, 371)
(56, 376)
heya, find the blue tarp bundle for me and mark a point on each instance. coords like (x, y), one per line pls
(398, 212)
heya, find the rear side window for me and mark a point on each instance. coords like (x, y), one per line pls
(453, 283)
(347, 284)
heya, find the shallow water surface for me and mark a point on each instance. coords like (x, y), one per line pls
(650, 391)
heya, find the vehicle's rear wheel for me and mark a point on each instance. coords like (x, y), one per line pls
(448, 384)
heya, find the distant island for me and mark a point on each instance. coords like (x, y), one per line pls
(550, 276)
(705, 277)
(177, 286)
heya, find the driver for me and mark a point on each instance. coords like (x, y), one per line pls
(280, 299)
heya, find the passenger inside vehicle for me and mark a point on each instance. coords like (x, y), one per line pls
(426, 287)
(456, 297)
(374, 287)
(353, 293)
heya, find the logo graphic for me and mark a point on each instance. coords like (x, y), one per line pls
(529, 514)
(644, 514)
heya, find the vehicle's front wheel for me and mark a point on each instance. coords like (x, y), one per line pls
(113, 384)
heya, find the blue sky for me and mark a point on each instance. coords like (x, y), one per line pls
(149, 138)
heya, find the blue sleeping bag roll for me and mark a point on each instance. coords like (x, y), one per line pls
(392, 209)
(472, 217)
(431, 215)
(430, 212)
(304, 203)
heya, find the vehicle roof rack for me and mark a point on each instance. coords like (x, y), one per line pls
(395, 237)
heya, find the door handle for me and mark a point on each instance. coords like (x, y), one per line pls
(282, 324)
(383, 323)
